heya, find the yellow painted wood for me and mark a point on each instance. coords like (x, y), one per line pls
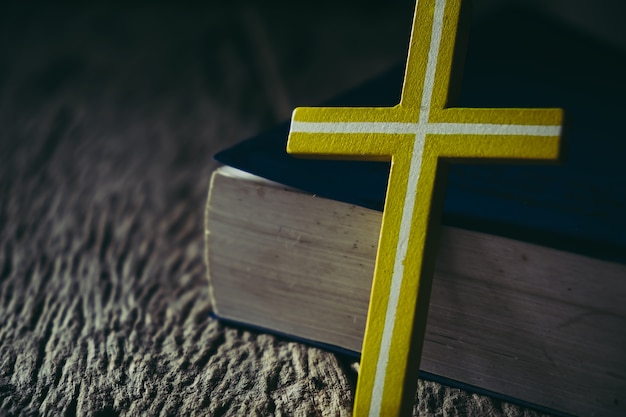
(416, 135)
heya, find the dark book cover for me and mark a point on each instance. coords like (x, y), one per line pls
(514, 59)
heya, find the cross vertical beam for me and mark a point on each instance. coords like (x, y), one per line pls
(416, 135)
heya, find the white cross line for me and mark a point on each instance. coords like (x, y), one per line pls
(407, 213)
(399, 128)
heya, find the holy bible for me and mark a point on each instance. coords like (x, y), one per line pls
(529, 294)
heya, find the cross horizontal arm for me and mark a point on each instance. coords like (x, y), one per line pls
(350, 133)
(347, 146)
(499, 147)
(522, 134)
(353, 114)
(497, 116)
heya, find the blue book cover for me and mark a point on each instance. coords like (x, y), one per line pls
(514, 59)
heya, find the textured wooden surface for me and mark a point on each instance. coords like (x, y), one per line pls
(109, 117)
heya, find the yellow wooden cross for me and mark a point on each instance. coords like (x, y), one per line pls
(416, 135)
